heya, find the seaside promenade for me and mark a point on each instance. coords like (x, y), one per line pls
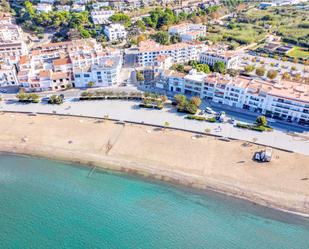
(130, 111)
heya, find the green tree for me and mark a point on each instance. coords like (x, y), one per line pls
(271, 74)
(232, 72)
(141, 25)
(175, 38)
(196, 101)
(201, 68)
(179, 68)
(260, 71)
(219, 67)
(261, 121)
(29, 9)
(166, 124)
(286, 76)
(121, 18)
(139, 76)
(180, 99)
(249, 68)
(54, 99)
(161, 37)
(90, 84)
(191, 108)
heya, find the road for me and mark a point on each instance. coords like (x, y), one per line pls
(130, 111)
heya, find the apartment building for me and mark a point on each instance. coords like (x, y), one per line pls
(44, 7)
(115, 32)
(149, 50)
(101, 16)
(100, 5)
(54, 66)
(286, 100)
(102, 74)
(152, 73)
(8, 75)
(188, 31)
(12, 45)
(229, 58)
(5, 18)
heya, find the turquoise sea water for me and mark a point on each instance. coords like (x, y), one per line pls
(46, 204)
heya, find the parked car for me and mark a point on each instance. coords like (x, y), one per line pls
(232, 121)
(209, 110)
(3, 91)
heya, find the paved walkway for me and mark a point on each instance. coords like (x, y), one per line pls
(129, 110)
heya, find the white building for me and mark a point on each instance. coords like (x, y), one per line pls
(63, 7)
(8, 75)
(180, 52)
(115, 32)
(12, 44)
(286, 100)
(105, 73)
(188, 31)
(78, 8)
(5, 18)
(101, 16)
(82, 2)
(99, 5)
(47, 1)
(55, 66)
(230, 59)
(44, 7)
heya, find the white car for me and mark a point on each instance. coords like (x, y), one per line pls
(209, 110)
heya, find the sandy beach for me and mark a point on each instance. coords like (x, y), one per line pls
(180, 157)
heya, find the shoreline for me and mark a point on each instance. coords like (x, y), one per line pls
(158, 178)
(149, 167)
(161, 179)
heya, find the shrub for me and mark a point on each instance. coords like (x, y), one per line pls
(271, 74)
(54, 99)
(258, 128)
(260, 71)
(261, 121)
(243, 126)
(199, 118)
(249, 68)
(90, 84)
(144, 105)
(28, 97)
(191, 108)
(211, 120)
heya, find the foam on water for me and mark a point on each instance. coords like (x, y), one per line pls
(46, 204)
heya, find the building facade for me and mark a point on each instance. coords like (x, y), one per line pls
(179, 53)
(8, 75)
(105, 73)
(12, 45)
(57, 66)
(288, 101)
(115, 32)
(101, 16)
(230, 59)
(188, 31)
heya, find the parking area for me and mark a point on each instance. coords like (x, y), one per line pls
(274, 64)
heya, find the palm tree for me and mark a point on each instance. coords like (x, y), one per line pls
(207, 130)
(166, 124)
